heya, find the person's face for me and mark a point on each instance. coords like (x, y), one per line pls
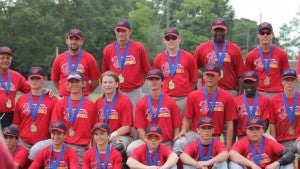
(57, 137)
(36, 82)
(153, 141)
(219, 35)
(172, 42)
(74, 43)
(154, 83)
(100, 137)
(265, 36)
(255, 133)
(122, 35)
(250, 87)
(75, 86)
(211, 80)
(11, 141)
(109, 85)
(289, 84)
(5, 61)
(205, 132)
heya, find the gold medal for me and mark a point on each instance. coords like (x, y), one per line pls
(8, 103)
(221, 74)
(121, 78)
(33, 128)
(291, 131)
(171, 85)
(267, 81)
(71, 132)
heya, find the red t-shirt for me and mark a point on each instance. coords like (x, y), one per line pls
(186, 73)
(84, 122)
(262, 111)
(18, 84)
(90, 162)
(121, 113)
(298, 65)
(69, 159)
(271, 151)
(279, 117)
(23, 119)
(197, 107)
(137, 64)
(233, 65)
(279, 62)
(140, 154)
(168, 119)
(21, 156)
(87, 66)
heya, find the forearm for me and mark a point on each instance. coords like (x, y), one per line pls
(238, 158)
(223, 156)
(186, 159)
(172, 160)
(273, 130)
(94, 85)
(123, 130)
(141, 133)
(186, 124)
(229, 134)
(133, 163)
(240, 86)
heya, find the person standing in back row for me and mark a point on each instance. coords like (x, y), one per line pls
(226, 54)
(75, 60)
(268, 61)
(128, 59)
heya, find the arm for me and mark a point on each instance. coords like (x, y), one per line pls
(238, 158)
(94, 85)
(240, 86)
(172, 160)
(229, 134)
(120, 132)
(273, 130)
(141, 133)
(186, 159)
(133, 163)
(55, 84)
(194, 86)
(184, 128)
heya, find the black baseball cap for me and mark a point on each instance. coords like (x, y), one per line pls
(59, 126)
(265, 25)
(212, 68)
(171, 32)
(289, 73)
(5, 49)
(36, 72)
(11, 131)
(218, 23)
(255, 122)
(123, 24)
(153, 129)
(75, 32)
(205, 121)
(250, 75)
(156, 73)
(101, 126)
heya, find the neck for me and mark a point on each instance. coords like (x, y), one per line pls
(205, 141)
(102, 147)
(155, 94)
(256, 142)
(123, 43)
(58, 147)
(12, 149)
(173, 52)
(250, 95)
(290, 94)
(152, 149)
(265, 47)
(37, 92)
(3, 70)
(110, 96)
(211, 89)
(74, 52)
(76, 96)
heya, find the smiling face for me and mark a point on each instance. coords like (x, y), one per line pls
(5, 61)
(75, 86)
(172, 42)
(122, 35)
(57, 137)
(265, 36)
(109, 84)
(100, 137)
(153, 141)
(36, 82)
(250, 88)
(74, 43)
(219, 35)
(211, 80)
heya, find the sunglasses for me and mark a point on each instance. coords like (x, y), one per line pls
(168, 38)
(289, 72)
(265, 33)
(153, 137)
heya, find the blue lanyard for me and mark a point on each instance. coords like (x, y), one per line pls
(251, 112)
(107, 155)
(71, 67)
(150, 105)
(222, 56)
(54, 165)
(34, 109)
(122, 60)
(152, 161)
(201, 151)
(211, 103)
(8, 83)
(290, 112)
(108, 111)
(73, 115)
(265, 64)
(173, 67)
(257, 157)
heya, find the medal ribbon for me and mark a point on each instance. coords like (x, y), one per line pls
(8, 82)
(257, 157)
(290, 112)
(71, 67)
(107, 154)
(201, 151)
(211, 103)
(108, 111)
(122, 60)
(265, 64)
(35, 109)
(150, 105)
(73, 115)
(173, 67)
(251, 112)
(222, 56)
(54, 165)
(152, 161)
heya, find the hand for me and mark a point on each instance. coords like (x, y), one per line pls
(50, 92)
(113, 135)
(254, 166)
(180, 134)
(273, 165)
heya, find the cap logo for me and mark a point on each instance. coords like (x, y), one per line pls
(56, 124)
(253, 121)
(5, 49)
(121, 22)
(74, 31)
(248, 73)
(6, 130)
(218, 21)
(153, 128)
(34, 70)
(210, 67)
(264, 24)
(170, 30)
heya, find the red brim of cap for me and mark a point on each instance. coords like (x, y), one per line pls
(153, 133)
(293, 77)
(122, 28)
(219, 26)
(256, 125)
(100, 128)
(211, 72)
(75, 35)
(40, 76)
(250, 78)
(153, 76)
(79, 79)
(171, 34)
(58, 129)
(202, 125)
(10, 135)
(9, 53)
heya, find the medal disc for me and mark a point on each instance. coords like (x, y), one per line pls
(71, 132)
(8, 103)
(291, 130)
(267, 81)
(33, 128)
(121, 78)
(171, 85)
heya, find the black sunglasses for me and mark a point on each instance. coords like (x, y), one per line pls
(265, 33)
(168, 38)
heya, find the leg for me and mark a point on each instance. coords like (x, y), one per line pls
(133, 145)
(233, 165)
(222, 165)
(38, 146)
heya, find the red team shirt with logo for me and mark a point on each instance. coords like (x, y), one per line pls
(197, 107)
(262, 111)
(279, 117)
(186, 73)
(90, 162)
(84, 121)
(137, 64)
(21, 156)
(271, 151)
(121, 113)
(168, 119)
(233, 65)
(69, 159)
(87, 66)
(140, 155)
(193, 151)
(18, 83)
(23, 119)
(279, 62)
